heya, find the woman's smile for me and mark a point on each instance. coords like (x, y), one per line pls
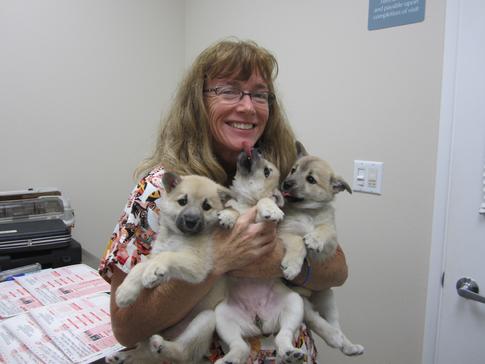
(242, 126)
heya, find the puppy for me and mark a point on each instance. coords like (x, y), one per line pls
(183, 250)
(309, 191)
(255, 307)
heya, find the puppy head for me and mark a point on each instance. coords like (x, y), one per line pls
(191, 203)
(311, 182)
(255, 176)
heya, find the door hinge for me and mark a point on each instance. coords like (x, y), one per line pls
(443, 279)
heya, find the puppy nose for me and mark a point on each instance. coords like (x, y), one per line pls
(244, 163)
(287, 185)
(191, 221)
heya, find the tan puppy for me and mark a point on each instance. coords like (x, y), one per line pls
(309, 191)
(255, 307)
(183, 250)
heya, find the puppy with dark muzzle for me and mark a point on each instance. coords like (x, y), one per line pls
(183, 250)
(309, 229)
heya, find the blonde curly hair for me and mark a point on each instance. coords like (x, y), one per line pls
(185, 143)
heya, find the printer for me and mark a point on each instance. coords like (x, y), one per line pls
(35, 227)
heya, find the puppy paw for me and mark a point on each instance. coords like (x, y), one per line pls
(271, 214)
(125, 295)
(154, 275)
(290, 269)
(120, 357)
(352, 349)
(227, 219)
(157, 344)
(313, 243)
(293, 356)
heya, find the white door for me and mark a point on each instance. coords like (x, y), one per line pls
(460, 328)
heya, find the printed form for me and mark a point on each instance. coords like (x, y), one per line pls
(56, 316)
(65, 283)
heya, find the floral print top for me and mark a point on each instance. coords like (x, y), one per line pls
(137, 227)
(131, 242)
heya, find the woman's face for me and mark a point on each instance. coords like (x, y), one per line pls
(234, 125)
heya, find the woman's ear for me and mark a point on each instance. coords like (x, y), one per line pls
(170, 180)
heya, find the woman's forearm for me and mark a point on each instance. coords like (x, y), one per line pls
(316, 277)
(155, 309)
(322, 275)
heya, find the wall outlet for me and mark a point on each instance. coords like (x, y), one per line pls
(368, 177)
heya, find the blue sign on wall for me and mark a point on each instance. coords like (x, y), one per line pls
(391, 13)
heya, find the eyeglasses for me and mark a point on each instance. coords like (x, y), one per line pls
(232, 95)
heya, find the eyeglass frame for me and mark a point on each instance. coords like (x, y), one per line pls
(271, 96)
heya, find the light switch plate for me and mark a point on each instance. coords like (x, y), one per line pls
(368, 177)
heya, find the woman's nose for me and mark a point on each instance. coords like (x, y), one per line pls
(246, 103)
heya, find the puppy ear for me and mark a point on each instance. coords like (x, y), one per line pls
(300, 150)
(170, 180)
(225, 194)
(278, 198)
(339, 184)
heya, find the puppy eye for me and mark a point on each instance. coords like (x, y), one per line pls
(182, 201)
(311, 180)
(293, 170)
(206, 206)
(267, 171)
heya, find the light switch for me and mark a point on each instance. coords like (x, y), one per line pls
(372, 177)
(360, 176)
(368, 176)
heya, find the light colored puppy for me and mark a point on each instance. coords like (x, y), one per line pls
(309, 191)
(255, 307)
(183, 250)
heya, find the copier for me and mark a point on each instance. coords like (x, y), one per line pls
(35, 227)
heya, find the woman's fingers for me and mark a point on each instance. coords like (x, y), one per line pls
(267, 263)
(245, 220)
(263, 229)
(246, 242)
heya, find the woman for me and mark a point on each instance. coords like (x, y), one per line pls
(225, 102)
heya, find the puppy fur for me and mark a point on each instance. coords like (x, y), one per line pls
(183, 250)
(309, 191)
(256, 307)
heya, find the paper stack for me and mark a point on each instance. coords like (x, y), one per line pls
(56, 316)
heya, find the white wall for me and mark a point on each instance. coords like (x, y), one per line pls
(83, 84)
(355, 94)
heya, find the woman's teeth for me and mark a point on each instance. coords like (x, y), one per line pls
(243, 126)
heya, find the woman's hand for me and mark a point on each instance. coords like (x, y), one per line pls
(243, 247)
(266, 266)
(252, 250)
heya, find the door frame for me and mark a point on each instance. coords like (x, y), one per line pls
(442, 183)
